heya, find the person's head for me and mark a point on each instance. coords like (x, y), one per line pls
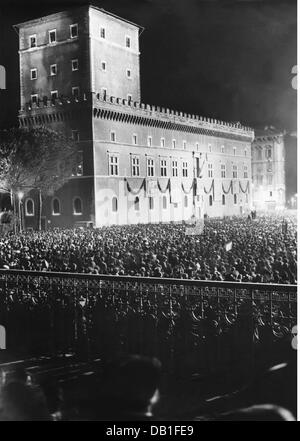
(21, 402)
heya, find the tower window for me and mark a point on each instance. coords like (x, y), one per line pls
(74, 30)
(102, 32)
(33, 74)
(134, 139)
(75, 92)
(149, 141)
(34, 99)
(77, 206)
(52, 36)
(162, 142)
(54, 95)
(103, 65)
(32, 41)
(128, 41)
(75, 65)
(128, 73)
(184, 145)
(113, 136)
(53, 69)
(174, 143)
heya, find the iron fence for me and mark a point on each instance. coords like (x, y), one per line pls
(189, 324)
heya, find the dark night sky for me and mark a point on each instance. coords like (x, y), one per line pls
(229, 60)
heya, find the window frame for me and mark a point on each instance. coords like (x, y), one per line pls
(72, 26)
(34, 69)
(127, 38)
(73, 94)
(27, 214)
(150, 166)
(75, 60)
(52, 206)
(73, 206)
(49, 35)
(135, 166)
(51, 73)
(163, 167)
(113, 164)
(29, 39)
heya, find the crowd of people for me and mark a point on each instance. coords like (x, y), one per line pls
(129, 389)
(261, 250)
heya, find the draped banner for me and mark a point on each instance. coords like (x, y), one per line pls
(135, 182)
(229, 188)
(246, 189)
(190, 189)
(168, 187)
(212, 188)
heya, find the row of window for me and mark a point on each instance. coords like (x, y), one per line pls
(53, 69)
(56, 206)
(74, 67)
(113, 138)
(54, 95)
(113, 166)
(52, 36)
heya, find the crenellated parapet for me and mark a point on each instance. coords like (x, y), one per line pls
(132, 112)
(110, 107)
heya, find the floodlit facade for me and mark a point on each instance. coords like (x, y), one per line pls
(137, 163)
(268, 170)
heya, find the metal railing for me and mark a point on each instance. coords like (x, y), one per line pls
(188, 324)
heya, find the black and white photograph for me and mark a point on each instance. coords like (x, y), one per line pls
(148, 213)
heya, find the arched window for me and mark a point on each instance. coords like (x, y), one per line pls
(137, 204)
(223, 199)
(29, 207)
(56, 207)
(164, 199)
(210, 200)
(151, 203)
(77, 206)
(186, 201)
(114, 202)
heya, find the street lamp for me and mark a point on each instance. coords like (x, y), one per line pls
(20, 197)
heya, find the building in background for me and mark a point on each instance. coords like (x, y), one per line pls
(137, 163)
(268, 170)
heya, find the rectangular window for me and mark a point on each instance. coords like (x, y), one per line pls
(75, 135)
(163, 167)
(128, 41)
(75, 65)
(234, 171)
(113, 136)
(33, 74)
(150, 167)
(185, 169)
(184, 145)
(135, 166)
(32, 41)
(75, 92)
(223, 171)
(79, 167)
(174, 143)
(151, 203)
(103, 65)
(210, 170)
(53, 69)
(102, 32)
(245, 172)
(128, 73)
(174, 168)
(74, 30)
(52, 36)
(149, 141)
(162, 142)
(113, 165)
(134, 139)
(34, 99)
(54, 94)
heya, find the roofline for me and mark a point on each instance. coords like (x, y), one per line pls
(57, 14)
